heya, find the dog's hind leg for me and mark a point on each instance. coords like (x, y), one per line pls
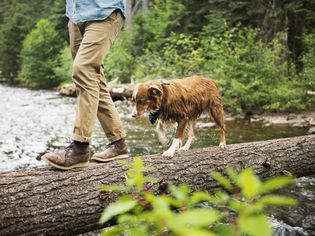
(160, 130)
(190, 134)
(177, 141)
(218, 116)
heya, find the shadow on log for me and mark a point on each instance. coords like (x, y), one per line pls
(49, 202)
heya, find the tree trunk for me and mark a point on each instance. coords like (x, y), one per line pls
(129, 14)
(145, 6)
(50, 202)
(296, 24)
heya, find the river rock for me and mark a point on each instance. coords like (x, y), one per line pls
(267, 124)
(300, 124)
(311, 121)
(205, 125)
(280, 121)
(256, 118)
(231, 118)
(292, 116)
(311, 130)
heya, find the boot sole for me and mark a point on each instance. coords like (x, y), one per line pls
(99, 159)
(79, 165)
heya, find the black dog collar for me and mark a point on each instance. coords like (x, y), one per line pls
(153, 116)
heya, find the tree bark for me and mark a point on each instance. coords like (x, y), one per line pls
(117, 92)
(50, 202)
(145, 6)
(129, 14)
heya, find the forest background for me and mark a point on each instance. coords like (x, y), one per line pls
(260, 52)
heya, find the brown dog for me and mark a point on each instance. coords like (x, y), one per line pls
(180, 101)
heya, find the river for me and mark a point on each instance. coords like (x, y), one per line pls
(33, 122)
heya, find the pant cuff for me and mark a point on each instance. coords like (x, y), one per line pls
(116, 138)
(80, 138)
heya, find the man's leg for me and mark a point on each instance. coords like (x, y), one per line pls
(108, 115)
(88, 77)
(76, 154)
(88, 53)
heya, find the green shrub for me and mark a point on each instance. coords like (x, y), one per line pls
(63, 70)
(237, 210)
(143, 43)
(252, 74)
(39, 54)
(119, 63)
(181, 56)
(309, 62)
(152, 29)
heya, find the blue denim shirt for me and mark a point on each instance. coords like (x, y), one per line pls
(89, 10)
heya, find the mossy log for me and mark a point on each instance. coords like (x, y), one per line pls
(50, 202)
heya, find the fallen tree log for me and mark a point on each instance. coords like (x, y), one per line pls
(117, 91)
(50, 202)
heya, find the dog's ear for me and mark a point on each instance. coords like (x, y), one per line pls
(154, 90)
(134, 94)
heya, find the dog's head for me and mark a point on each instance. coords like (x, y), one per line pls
(147, 97)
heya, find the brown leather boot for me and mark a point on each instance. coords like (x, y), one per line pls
(74, 156)
(115, 150)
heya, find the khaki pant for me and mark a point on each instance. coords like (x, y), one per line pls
(90, 43)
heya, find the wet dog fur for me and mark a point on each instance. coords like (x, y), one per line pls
(180, 101)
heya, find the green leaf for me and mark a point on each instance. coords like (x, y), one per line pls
(180, 193)
(161, 202)
(223, 229)
(113, 188)
(236, 204)
(197, 197)
(222, 180)
(232, 174)
(249, 184)
(127, 218)
(276, 183)
(221, 197)
(113, 231)
(276, 200)
(200, 217)
(138, 164)
(255, 225)
(119, 207)
(194, 232)
(139, 231)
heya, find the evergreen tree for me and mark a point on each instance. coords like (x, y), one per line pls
(40, 51)
(17, 18)
(58, 17)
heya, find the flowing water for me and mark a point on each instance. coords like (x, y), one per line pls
(33, 122)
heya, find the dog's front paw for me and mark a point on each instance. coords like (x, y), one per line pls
(172, 149)
(222, 145)
(168, 153)
(183, 148)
